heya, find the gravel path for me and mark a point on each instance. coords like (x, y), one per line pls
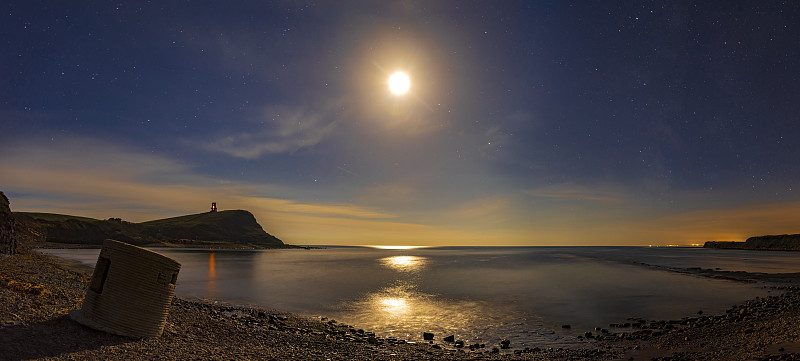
(37, 291)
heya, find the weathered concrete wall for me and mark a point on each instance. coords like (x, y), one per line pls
(8, 243)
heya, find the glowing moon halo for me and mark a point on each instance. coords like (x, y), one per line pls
(399, 83)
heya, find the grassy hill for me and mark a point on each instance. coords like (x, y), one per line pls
(236, 227)
(224, 226)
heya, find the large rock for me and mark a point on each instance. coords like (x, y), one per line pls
(8, 243)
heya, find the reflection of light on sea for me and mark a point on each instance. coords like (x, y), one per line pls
(211, 286)
(401, 310)
(394, 305)
(397, 301)
(404, 263)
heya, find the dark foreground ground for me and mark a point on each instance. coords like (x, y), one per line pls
(37, 291)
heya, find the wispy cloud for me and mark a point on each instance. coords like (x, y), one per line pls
(397, 192)
(483, 209)
(577, 193)
(324, 209)
(91, 178)
(96, 179)
(280, 130)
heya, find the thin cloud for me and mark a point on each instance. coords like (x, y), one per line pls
(483, 208)
(570, 193)
(397, 192)
(285, 130)
(147, 187)
(317, 209)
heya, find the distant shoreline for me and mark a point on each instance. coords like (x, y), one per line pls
(221, 246)
(784, 242)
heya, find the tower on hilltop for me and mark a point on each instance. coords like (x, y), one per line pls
(213, 206)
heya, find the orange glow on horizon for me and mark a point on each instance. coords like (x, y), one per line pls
(396, 247)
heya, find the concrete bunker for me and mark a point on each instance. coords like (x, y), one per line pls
(130, 291)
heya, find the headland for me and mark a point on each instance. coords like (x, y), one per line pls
(784, 242)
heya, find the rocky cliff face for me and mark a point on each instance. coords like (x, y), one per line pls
(8, 243)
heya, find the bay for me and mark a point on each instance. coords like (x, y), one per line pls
(477, 294)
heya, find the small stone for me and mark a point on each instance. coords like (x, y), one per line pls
(459, 344)
(11, 323)
(566, 326)
(427, 336)
(450, 338)
(505, 344)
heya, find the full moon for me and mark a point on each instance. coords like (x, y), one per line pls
(399, 83)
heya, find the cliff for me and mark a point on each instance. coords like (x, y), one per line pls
(8, 242)
(784, 242)
(236, 226)
(223, 227)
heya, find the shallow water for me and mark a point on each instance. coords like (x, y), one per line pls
(479, 294)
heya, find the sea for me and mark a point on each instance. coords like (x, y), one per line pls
(527, 295)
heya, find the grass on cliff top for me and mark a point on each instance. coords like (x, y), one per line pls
(229, 218)
(56, 217)
(185, 221)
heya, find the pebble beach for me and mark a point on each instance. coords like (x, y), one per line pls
(38, 291)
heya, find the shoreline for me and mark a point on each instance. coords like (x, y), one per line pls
(221, 246)
(37, 290)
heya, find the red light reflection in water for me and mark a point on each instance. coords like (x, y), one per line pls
(211, 286)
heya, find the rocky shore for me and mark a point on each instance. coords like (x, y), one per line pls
(37, 291)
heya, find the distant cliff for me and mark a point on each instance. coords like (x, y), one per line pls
(784, 242)
(235, 227)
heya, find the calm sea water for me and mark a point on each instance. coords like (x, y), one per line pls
(478, 294)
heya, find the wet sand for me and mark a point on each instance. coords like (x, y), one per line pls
(37, 291)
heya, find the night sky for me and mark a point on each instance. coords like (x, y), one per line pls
(526, 123)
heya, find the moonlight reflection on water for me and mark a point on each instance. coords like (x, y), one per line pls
(404, 263)
(402, 310)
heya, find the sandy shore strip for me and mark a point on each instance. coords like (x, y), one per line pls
(37, 291)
